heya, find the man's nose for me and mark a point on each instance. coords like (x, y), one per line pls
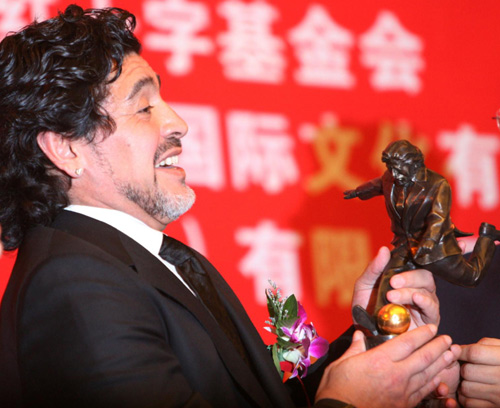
(172, 124)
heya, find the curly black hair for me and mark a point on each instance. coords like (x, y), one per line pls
(54, 76)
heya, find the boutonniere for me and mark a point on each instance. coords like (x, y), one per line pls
(297, 343)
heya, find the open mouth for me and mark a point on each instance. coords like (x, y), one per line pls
(169, 161)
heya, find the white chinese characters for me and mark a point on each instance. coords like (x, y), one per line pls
(474, 165)
(322, 48)
(273, 255)
(178, 23)
(250, 51)
(261, 151)
(394, 54)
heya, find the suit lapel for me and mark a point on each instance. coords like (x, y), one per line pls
(153, 271)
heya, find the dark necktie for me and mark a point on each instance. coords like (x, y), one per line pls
(193, 273)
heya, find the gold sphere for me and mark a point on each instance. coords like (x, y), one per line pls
(393, 319)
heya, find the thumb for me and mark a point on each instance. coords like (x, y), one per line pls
(378, 264)
(374, 269)
(357, 346)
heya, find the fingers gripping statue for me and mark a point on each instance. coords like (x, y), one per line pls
(418, 202)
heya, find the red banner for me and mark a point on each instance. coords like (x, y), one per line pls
(290, 105)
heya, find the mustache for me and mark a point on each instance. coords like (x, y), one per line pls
(169, 143)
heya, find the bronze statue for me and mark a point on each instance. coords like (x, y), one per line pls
(418, 202)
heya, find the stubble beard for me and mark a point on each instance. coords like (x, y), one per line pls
(158, 204)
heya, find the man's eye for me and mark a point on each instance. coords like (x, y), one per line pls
(147, 109)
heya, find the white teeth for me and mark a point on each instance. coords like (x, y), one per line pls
(169, 161)
(172, 160)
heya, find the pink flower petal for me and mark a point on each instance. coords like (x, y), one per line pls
(301, 312)
(319, 347)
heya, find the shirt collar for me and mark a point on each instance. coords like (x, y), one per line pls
(143, 234)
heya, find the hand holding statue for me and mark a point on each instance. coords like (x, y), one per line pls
(404, 370)
(415, 289)
(398, 373)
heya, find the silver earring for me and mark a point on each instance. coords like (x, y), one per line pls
(79, 172)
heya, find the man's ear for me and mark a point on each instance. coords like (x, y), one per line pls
(62, 152)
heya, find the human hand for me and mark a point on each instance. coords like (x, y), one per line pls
(415, 289)
(398, 373)
(348, 194)
(365, 287)
(445, 394)
(481, 374)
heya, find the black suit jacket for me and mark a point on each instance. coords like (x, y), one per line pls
(469, 314)
(91, 318)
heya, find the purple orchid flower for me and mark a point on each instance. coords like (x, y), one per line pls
(310, 346)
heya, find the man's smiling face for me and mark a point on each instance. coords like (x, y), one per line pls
(134, 169)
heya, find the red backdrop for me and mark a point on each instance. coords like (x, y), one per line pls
(291, 103)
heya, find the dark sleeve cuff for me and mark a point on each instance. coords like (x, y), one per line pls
(331, 403)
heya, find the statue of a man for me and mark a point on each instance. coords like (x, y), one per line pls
(418, 202)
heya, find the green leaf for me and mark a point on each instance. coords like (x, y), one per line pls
(288, 322)
(276, 359)
(291, 307)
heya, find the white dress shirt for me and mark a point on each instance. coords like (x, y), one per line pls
(143, 234)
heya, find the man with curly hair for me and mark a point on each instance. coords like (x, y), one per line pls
(95, 313)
